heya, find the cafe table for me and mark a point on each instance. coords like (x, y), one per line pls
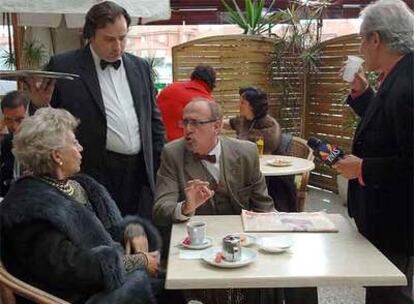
(296, 165)
(314, 259)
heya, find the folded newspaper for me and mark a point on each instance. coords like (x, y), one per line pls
(287, 222)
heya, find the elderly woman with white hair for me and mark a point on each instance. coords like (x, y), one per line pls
(62, 232)
(380, 168)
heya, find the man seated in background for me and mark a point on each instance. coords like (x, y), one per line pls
(14, 108)
(172, 100)
(208, 174)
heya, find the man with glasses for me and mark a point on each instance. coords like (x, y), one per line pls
(208, 174)
(205, 173)
(14, 107)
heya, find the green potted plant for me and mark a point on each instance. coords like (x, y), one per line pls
(8, 60)
(255, 20)
(34, 55)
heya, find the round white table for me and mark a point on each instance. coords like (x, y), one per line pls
(297, 165)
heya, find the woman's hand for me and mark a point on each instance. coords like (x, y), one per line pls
(136, 244)
(153, 262)
(139, 245)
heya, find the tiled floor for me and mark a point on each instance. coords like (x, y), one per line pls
(322, 200)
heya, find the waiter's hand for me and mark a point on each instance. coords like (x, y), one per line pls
(197, 192)
(348, 166)
(40, 91)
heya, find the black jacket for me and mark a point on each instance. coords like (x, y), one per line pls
(82, 97)
(383, 208)
(58, 245)
(6, 164)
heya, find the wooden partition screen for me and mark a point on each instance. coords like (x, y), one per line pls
(314, 105)
(239, 60)
(327, 116)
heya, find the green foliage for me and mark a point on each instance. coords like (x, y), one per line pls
(255, 20)
(7, 59)
(34, 54)
(297, 48)
(372, 78)
(154, 62)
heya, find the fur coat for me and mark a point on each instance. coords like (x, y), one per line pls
(60, 246)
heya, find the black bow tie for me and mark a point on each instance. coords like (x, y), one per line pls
(209, 158)
(105, 63)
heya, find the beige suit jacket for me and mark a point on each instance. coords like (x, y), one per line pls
(239, 168)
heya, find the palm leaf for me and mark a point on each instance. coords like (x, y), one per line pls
(257, 18)
(234, 16)
(239, 12)
(249, 12)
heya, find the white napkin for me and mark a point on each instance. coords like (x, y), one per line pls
(190, 254)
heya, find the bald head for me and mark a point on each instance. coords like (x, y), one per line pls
(202, 125)
(205, 105)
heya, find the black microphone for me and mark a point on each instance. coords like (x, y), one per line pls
(328, 153)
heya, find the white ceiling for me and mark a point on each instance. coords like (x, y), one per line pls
(49, 13)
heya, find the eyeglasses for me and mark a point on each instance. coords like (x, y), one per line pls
(194, 123)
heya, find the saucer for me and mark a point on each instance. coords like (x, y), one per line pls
(275, 244)
(208, 241)
(279, 162)
(247, 256)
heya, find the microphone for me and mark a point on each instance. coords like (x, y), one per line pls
(328, 153)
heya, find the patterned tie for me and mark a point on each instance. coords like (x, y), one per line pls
(105, 63)
(209, 158)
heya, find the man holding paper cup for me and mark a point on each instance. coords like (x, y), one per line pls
(380, 168)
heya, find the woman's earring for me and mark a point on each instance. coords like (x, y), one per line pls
(60, 163)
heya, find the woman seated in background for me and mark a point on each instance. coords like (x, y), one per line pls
(255, 123)
(62, 232)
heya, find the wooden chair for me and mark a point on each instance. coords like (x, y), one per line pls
(299, 148)
(10, 285)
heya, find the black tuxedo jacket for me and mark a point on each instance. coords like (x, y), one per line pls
(82, 97)
(383, 208)
(6, 164)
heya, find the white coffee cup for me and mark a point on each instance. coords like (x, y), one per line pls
(352, 67)
(196, 232)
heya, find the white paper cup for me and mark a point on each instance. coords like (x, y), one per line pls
(351, 68)
(196, 232)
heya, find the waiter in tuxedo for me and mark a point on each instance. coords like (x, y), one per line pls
(120, 130)
(380, 169)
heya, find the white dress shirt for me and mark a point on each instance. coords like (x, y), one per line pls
(212, 168)
(122, 135)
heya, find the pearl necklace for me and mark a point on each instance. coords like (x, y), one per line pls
(64, 185)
